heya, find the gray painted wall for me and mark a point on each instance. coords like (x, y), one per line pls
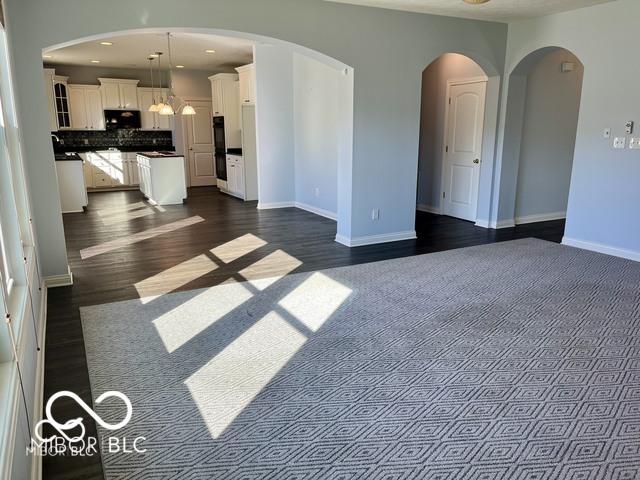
(604, 195)
(434, 103)
(387, 49)
(549, 134)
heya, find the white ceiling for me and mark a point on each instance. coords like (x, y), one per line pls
(132, 51)
(495, 10)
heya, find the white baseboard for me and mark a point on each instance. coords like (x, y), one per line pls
(374, 239)
(495, 225)
(601, 248)
(318, 211)
(428, 209)
(270, 206)
(543, 217)
(54, 281)
(38, 396)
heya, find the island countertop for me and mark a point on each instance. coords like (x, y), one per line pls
(160, 154)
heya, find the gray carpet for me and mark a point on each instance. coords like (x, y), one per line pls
(518, 360)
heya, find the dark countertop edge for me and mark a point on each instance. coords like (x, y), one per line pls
(234, 151)
(69, 159)
(151, 155)
(126, 149)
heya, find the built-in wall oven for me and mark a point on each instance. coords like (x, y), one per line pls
(220, 148)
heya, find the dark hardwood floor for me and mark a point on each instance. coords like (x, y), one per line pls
(111, 276)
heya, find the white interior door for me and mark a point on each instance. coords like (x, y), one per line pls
(463, 140)
(199, 144)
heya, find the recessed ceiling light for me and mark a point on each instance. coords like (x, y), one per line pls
(108, 44)
(95, 61)
(47, 56)
(179, 66)
(210, 50)
(153, 55)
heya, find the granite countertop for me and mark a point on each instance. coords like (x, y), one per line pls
(68, 157)
(96, 148)
(159, 154)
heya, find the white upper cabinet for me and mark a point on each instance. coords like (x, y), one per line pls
(49, 73)
(119, 93)
(85, 103)
(61, 100)
(226, 103)
(151, 120)
(247, 84)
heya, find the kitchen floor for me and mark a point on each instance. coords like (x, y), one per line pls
(123, 248)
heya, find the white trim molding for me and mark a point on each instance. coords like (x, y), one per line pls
(318, 211)
(271, 206)
(482, 223)
(601, 248)
(374, 239)
(428, 209)
(542, 217)
(55, 281)
(496, 225)
(38, 394)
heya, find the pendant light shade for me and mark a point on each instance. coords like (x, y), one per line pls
(166, 109)
(188, 110)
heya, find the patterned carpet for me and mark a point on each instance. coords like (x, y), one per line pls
(518, 360)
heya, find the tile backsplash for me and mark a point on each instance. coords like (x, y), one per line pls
(83, 139)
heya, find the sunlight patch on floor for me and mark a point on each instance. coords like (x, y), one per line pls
(120, 208)
(126, 216)
(226, 385)
(238, 248)
(138, 237)
(174, 277)
(194, 316)
(315, 300)
(270, 269)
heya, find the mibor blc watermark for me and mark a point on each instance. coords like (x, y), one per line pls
(70, 439)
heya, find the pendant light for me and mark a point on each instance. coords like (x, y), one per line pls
(154, 106)
(160, 103)
(173, 104)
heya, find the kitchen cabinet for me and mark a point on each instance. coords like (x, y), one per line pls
(71, 185)
(162, 179)
(85, 105)
(49, 74)
(247, 84)
(61, 101)
(110, 169)
(235, 176)
(119, 93)
(152, 120)
(226, 103)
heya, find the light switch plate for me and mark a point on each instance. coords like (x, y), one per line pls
(606, 133)
(620, 143)
(634, 144)
(629, 127)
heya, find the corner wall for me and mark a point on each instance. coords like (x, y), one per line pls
(604, 196)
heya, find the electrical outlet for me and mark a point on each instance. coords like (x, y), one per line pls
(620, 143)
(606, 133)
(375, 214)
(628, 127)
(634, 144)
(317, 192)
(86, 142)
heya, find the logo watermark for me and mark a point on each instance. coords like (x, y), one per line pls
(70, 438)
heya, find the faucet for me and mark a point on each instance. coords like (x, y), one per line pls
(53, 135)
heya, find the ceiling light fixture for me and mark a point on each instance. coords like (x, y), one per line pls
(475, 2)
(95, 61)
(154, 55)
(106, 44)
(153, 107)
(179, 66)
(210, 50)
(174, 104)
(160, 105)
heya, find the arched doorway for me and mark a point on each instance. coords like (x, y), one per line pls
(543, 103)
(459, 107)
(293, 170)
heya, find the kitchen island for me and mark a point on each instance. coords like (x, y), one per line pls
(162, 177)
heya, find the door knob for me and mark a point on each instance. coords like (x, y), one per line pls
(476, 161)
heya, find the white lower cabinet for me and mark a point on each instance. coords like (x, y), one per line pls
(162, 179)
(235, 176)
(110, 169)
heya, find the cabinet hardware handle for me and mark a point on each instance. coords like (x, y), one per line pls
(476, 161)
